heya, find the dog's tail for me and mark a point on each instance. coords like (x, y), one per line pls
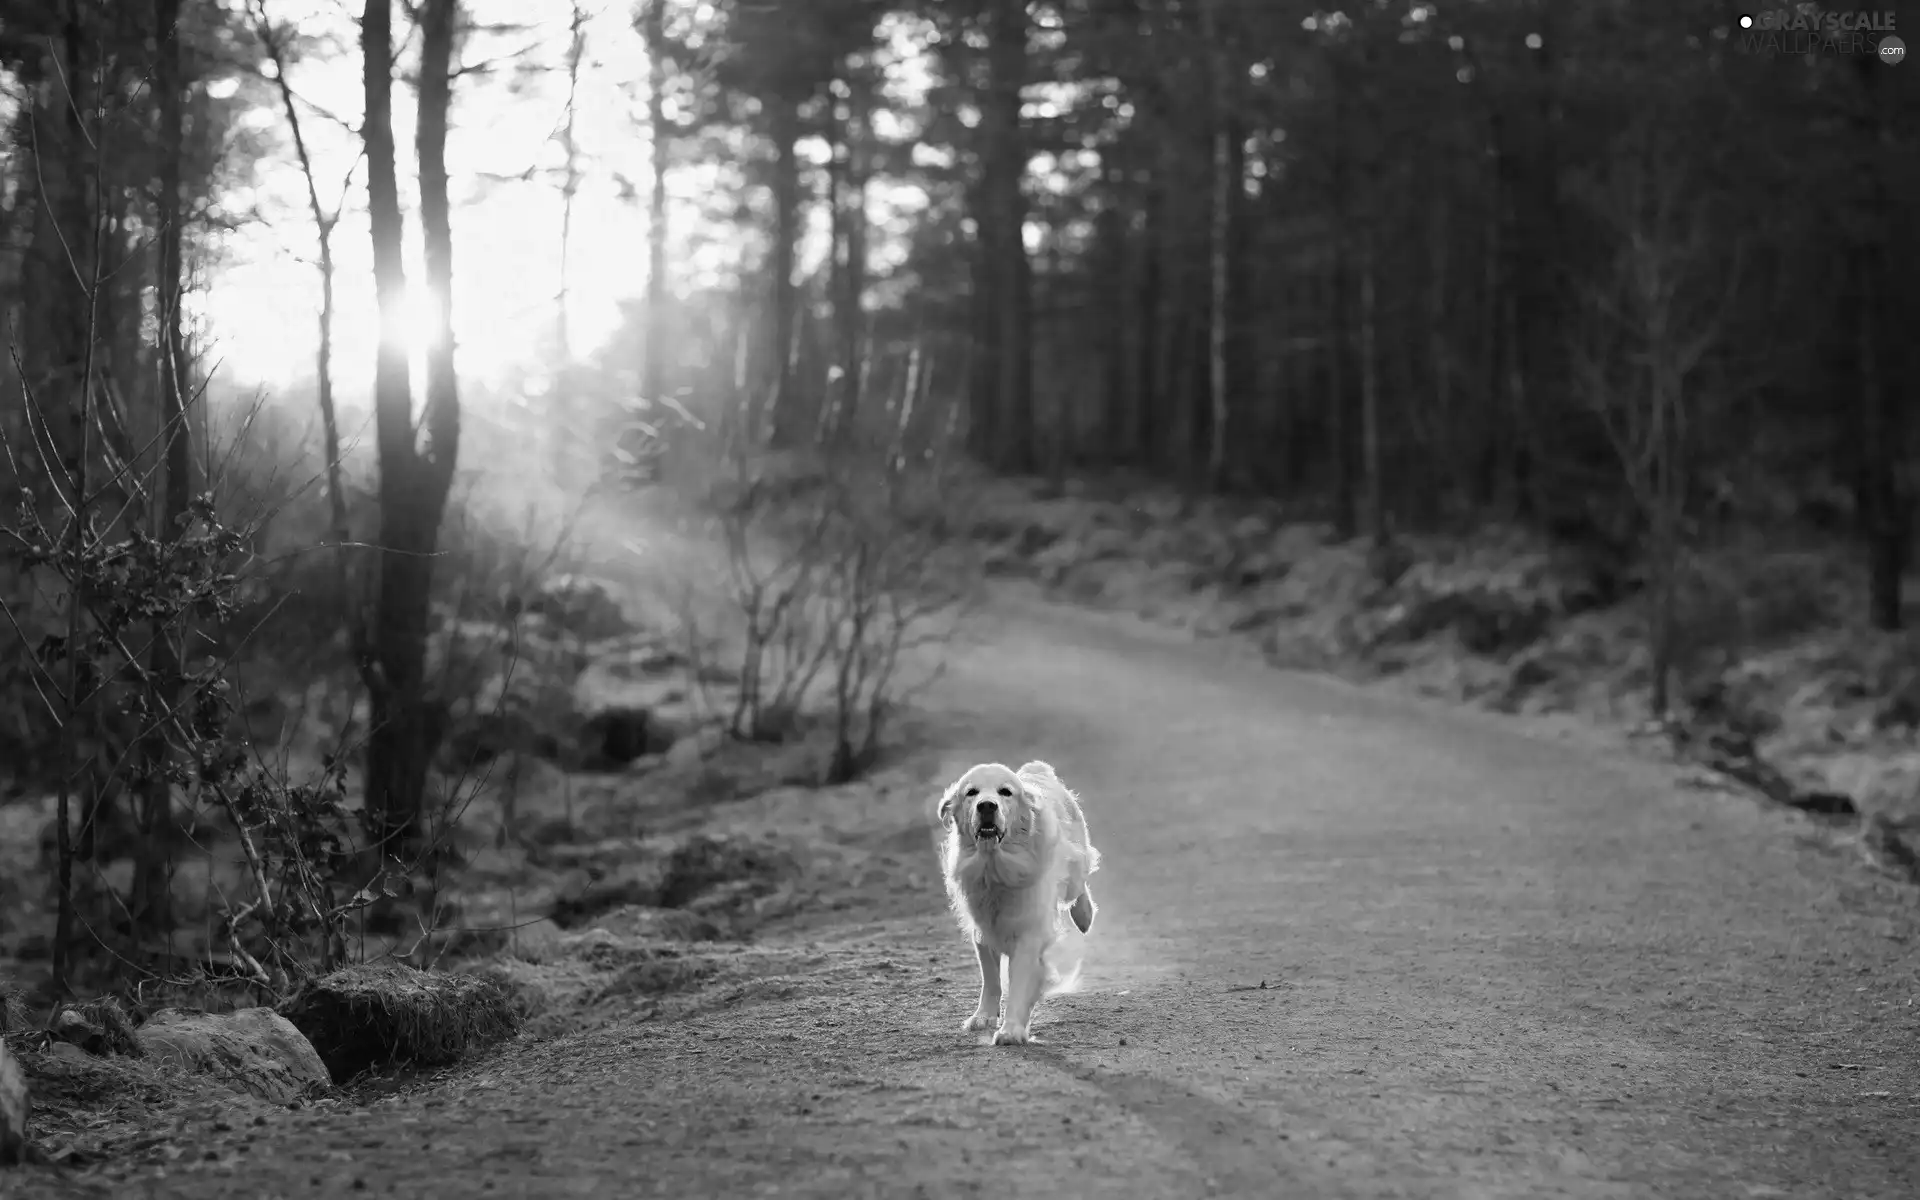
(1082, 909)
(1039, 770)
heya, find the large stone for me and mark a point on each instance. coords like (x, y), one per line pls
(614, 737)
(96, 1026)
(255, 1049)
(15, 1107)
(376, 1014)
(583, 607)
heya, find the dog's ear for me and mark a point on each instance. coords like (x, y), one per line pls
(945, 810)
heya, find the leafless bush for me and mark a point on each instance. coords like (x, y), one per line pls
(841, 582)
(1645, 355)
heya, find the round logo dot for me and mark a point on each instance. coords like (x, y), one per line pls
(1746, 22)
(1892, 50)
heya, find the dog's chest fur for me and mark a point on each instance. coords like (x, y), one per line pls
(997, 889)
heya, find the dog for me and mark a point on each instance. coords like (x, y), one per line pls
(1017, 855)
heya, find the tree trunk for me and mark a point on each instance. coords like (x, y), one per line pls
(1149, 398)
(565, 415)
(827, 421)
(1885, 509)
(1219, 233)
(1669, 499)
(1370, 395)
(1339, 416)
(852, 217)
(406, 724)
(324, 223)
(1012, 295)
(153, 867)
(660, 129)
(60, 263)
(1535, 247)
(1110, 301)
(984, 417)
(1490, 448)
(1242, 371)
(1445, 434)
(68, 239)
(786, 424)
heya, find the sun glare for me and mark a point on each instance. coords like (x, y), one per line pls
(417, 323)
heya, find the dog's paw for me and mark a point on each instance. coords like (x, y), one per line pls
(981, 1019)
(1012, 1036)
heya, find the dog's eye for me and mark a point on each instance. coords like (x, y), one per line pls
(1006, 791)
(971, 792)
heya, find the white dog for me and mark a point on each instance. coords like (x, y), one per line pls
(1017, 857)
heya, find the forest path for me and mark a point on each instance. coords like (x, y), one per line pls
(1348, 945)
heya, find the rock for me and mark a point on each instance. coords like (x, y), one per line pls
(97, 1027)
(617, 736)
(381, 1013)
(73, 1029)
(583, 607)
(254, 1049)
(535, 942)
(68, 1052)
(658, 924)
(630, 883)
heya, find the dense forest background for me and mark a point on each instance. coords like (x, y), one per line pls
(1624, 275)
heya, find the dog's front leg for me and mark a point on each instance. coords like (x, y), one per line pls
(988, 1014)
(1025, 978)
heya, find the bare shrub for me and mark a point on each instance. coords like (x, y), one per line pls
(1646, 354)
(840, 582)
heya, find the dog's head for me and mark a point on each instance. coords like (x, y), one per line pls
(986, 804)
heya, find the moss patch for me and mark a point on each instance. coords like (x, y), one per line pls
(385, 1013)
(97, 1026)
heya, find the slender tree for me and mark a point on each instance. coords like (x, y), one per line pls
(152, 890)
(660, 131)
(325, 220)
(566, 412)
(414, 477)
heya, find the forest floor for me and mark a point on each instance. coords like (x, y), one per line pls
(1351, 943)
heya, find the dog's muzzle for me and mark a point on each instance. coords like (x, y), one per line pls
(987, 822)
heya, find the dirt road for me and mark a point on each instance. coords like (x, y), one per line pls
(1348, 946)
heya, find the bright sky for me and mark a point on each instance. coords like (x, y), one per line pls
(263, 295)
(262, 300)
